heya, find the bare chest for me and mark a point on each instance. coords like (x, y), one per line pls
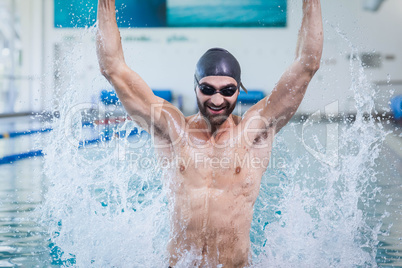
(219, 168)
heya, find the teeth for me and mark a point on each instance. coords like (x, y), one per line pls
(216, 109)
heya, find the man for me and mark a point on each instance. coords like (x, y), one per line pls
(220, 157)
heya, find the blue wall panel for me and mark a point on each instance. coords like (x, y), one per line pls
(133, 13)
(224, 13)
(176, 13)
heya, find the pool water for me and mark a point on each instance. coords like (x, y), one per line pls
(330, 196)
(68, 218)
(23, 242)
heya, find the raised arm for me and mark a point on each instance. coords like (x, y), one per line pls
(148, 110)
(288, 93)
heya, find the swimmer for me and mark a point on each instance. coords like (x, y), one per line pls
(219, 158)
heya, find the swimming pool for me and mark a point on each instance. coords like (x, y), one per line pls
(305, 211)
(22, 241)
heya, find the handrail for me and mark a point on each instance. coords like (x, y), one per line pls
(21, 114)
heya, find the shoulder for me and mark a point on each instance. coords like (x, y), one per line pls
(190, 118)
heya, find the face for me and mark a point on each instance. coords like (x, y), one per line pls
(216, 108)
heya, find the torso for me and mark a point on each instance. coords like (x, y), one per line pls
(214, 184)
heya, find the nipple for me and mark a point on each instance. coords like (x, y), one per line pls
(238, 169)
(182, 168)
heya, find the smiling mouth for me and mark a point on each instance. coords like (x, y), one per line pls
(216, 109)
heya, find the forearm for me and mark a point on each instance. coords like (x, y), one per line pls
(108, 41)
(288, 93)
(310, 40)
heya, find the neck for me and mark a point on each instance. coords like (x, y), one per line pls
(215, 129)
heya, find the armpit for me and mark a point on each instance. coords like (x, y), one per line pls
(266, 133)
(261, 137)
(161, 134)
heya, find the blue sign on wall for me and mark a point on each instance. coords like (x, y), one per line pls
(224, 13)
(176, 13)
(133, 13)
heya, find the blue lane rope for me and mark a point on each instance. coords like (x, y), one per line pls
(10, 135)
(16, 157)
(107, 137)
(16, 134)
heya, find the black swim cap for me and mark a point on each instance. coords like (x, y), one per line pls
(218, 62)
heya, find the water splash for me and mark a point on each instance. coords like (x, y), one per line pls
(102, 209)
(324, 210)
(98, 207)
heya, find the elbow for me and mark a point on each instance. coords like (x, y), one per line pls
(314, 66)
(109, 65)
(311, 63)
(310, 58)
(105, 72)
(108, 71)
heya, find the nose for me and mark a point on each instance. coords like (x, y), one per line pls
(217, 100)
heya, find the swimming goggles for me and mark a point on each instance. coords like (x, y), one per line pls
(209, 91)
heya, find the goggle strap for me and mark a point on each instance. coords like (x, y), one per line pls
(242, 87)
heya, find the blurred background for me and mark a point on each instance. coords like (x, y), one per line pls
(164, 42)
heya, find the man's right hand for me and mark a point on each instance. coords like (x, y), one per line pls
(150, 112)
